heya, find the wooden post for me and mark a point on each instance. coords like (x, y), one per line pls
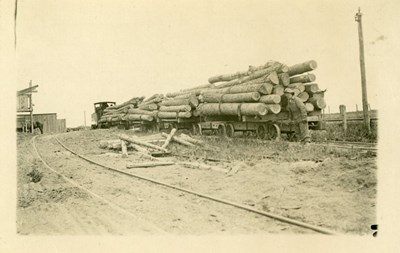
(124, 149)
(169, 137)
(342, 109)
(363, 77)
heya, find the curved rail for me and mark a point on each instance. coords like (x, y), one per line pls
(112, 205)
(227, 202)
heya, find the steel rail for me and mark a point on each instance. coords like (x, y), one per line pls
(112, 205)
(227, 202)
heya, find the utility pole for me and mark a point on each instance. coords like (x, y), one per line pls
(363, 78)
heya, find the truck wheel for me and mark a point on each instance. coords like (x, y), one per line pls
(261, 132)
(221, 130)
(230, 130)
(273, 132)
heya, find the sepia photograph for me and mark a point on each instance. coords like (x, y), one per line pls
(208, 119)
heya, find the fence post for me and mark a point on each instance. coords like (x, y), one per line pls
(342, 109)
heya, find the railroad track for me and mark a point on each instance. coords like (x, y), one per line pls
(359, 146)
(163, 188)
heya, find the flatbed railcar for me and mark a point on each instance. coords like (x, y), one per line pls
(270, 126)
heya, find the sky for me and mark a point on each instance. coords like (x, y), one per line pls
(82, 52)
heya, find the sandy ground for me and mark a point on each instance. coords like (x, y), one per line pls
(318, 185)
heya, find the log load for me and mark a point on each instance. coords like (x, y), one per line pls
(231, 98)
(231, 109)
(318, 103)
(302, 67)
(173, 115)
(175, 108)
(307, 78)
(270, 99)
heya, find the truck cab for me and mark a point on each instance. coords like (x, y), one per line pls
(99, 108)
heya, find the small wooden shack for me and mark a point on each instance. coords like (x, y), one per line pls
(49, 120)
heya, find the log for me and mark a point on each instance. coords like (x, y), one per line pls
(302, 67)
(138, 142)
(303, 96)
(319, 94)
(264, 66)
(309, 107)
(278, 90)
(190, 139)
(273, 78)
(185, 95)
(231, 98)
(140, 149)
(318, 103)
(140, 111)
(311, 87)
(296, 92)
(173, 115)
(299, 86)
(278, 67)
(148, 164)
(192, 101)
(124, 149)
(284, 79)
(152, 101)
(152, 97)
(270, 99)
(134, 101)
(139, 117)
(307, 78)
(179, 140)
(274, 108)
(148, 107)
(233, 109)
(169, 137)
(262, 88)
(227, 77)
(175, 108)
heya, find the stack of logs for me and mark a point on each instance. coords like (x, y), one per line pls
(255, 92)
(260, 90)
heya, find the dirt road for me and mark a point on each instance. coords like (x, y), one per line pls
(328, 189)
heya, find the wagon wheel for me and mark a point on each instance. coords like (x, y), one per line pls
(273, 132)
(195, 131)
(199, 129)
(230, 130)
(221, 130)
(261, 132)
